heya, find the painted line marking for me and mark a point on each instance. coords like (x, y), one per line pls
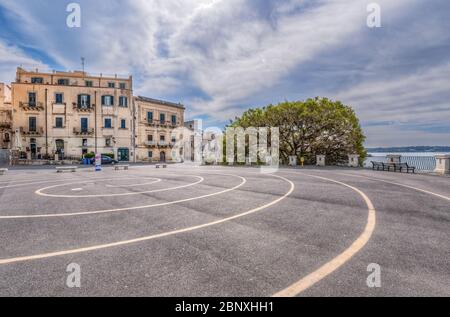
(130, 208)
(156, 180)
(152, 237)
(40, 192)
(398, 184)
(77, 189)
(336, 263)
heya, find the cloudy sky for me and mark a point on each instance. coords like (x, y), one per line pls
(220, 57)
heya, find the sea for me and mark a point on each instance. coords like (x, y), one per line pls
(423, 161)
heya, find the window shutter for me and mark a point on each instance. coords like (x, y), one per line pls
(103, 100)
(112, 101)
(79, 100)
(88, 100)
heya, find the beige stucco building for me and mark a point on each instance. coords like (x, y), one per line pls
(5, 117)
(158, 129)
(71, 113)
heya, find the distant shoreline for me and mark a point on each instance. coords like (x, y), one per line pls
(411, 149)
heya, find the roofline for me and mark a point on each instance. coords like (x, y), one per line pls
(76, 74)
(160, 102)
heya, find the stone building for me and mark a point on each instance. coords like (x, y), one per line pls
(67, 114)
(158, 124)
(5, 117)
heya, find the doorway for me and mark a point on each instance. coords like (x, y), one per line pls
(60, 149)
(33, 149)
(162, 157)
(123, 155)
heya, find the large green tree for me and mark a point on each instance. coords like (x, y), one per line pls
(315, 126)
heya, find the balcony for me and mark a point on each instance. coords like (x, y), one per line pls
(32, 132)
(83, 108)
(80, 131)
(5, 125)
(150, 123)
(151, 144)
(33, 106)
(163, 144)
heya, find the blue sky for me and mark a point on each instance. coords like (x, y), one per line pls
(220, 57)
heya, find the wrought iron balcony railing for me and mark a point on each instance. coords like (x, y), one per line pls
(31, 106)
(82, 131)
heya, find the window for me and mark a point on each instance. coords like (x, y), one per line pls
(84, 125)
(108, 123)
(174, 120)
(107, 100)
(123, 124)
(123, 86)
(59, 122)
(150, 138)
(85, 143)
(150, 154)
(32, 124)
(150, 117)
(32, 99)
(59, 98)
(111, 85)
(63, 82)
(108, 142)
(123, 101)
(84, 101)
(162, 138)
(37, 80)
(89, 83)
(162, 118)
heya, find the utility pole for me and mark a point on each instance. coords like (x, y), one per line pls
(95, 120)
(46, 123)
(82, 63)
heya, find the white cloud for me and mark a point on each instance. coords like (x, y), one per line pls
(216, 55)
(10, 58)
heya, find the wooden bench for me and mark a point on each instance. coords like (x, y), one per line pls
(124, 167)
(400, 167)
(3, 171)
(62, 169)
(159, 165)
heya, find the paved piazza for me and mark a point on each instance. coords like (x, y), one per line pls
(222, 231)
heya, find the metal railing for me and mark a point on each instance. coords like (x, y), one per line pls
(421, 163)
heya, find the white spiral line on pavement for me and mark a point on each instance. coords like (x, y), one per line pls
(156, 236)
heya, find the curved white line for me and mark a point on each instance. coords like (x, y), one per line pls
(156, 180)
(128, 208)
(152, 237)
(398, 184)
(40, 192)
(24, 184)
(342, 258)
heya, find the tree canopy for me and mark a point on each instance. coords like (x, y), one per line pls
(308, 128)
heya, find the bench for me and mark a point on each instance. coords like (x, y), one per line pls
(124, 167)
(380, 166)
(163, 166)
(394, 167)
(62, 169)
(3, 171)
(400, 167)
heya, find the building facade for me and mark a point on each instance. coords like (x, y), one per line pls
(5, 117)
(68, 114)
(158, 129)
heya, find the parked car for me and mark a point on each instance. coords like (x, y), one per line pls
(106, 160)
